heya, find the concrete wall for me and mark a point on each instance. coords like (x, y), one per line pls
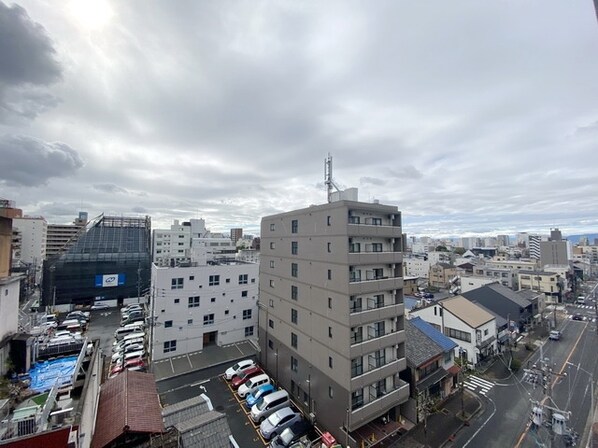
(225, 301)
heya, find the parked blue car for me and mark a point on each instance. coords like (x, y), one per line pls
(260, 392)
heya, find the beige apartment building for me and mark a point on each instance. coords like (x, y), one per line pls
(331, 312)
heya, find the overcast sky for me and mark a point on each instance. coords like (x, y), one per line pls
(471, 117)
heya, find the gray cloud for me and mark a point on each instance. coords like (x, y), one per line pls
(28, 63)
(227, 110)
(110, 188)
(27, 161)
(26, 51)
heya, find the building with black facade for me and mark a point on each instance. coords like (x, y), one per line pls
(111, 260)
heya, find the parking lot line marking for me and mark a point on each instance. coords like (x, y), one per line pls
(199, 383)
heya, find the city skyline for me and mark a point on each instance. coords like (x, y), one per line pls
(471, 119)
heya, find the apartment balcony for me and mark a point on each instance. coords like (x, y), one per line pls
(357, 286)
(374, 258)
(371, 376)
(375, 314)
(374, 230)
(390, 338)
(380, 406)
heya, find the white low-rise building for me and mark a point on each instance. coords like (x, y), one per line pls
(469, 325)
(202, 304)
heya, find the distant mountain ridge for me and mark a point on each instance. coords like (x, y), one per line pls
(575, 238)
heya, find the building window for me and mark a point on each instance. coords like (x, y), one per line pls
(376, 330)
(272, 264)
(329, 332)
(208, 319)
(294, 292)
(377, 359)
(330, 303)
(243, 279)
(228, 280)
(294, 269)
(330, 362)
(167, 324)
(376, 221)
(191, 277)
(270, 323)
(177, 283)
(329, 247)
(193, 302)
(294, 364)
(486, 332)
(457, 334)
(294, 226)
(355, 304)
(189, 321)
(246, 314)
(271, 283)
(356, 367)
(356, 335)
(330, 390)
(328, 220)
(378, 389)
(243, 293)
(213, 299)
(357, 399)
(272, 245)
(169, 346)
(226, 312)
(249, 331)
(377, 247)
(271, 303)
(294, 318)
(214, 280)
(293, 340)
(272, 227)
(329, 274)
(294, 248)
(271, 344)
(176, 301)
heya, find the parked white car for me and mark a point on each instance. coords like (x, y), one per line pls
(236, 369)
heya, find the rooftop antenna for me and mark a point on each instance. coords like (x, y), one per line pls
(328, 177)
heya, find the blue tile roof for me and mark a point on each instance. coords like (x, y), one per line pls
(443, 341)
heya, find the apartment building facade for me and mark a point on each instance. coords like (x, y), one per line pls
(199, 305)
(62, 236)
(33, 232)
(331, 311)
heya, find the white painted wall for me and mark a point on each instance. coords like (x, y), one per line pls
(225, 301)
(433, 315)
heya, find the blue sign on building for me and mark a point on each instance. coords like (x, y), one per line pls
(109, 280)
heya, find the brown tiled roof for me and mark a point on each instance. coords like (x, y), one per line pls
(128, 403)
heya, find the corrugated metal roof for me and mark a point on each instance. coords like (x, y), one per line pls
(443, 341)
(128, 403)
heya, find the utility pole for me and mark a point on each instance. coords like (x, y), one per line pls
(543, 412)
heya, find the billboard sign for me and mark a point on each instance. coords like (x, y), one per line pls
(110, 280)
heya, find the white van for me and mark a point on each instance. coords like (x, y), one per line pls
(581, 300)
(252, 384)
(271, 403)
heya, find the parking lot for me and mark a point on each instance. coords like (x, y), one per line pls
(224, 399)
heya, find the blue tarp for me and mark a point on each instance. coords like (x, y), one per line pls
(45, 374)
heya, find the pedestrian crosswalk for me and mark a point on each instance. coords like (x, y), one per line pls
(478, 385)
(585, 307)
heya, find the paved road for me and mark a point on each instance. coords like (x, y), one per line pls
(508, 402)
